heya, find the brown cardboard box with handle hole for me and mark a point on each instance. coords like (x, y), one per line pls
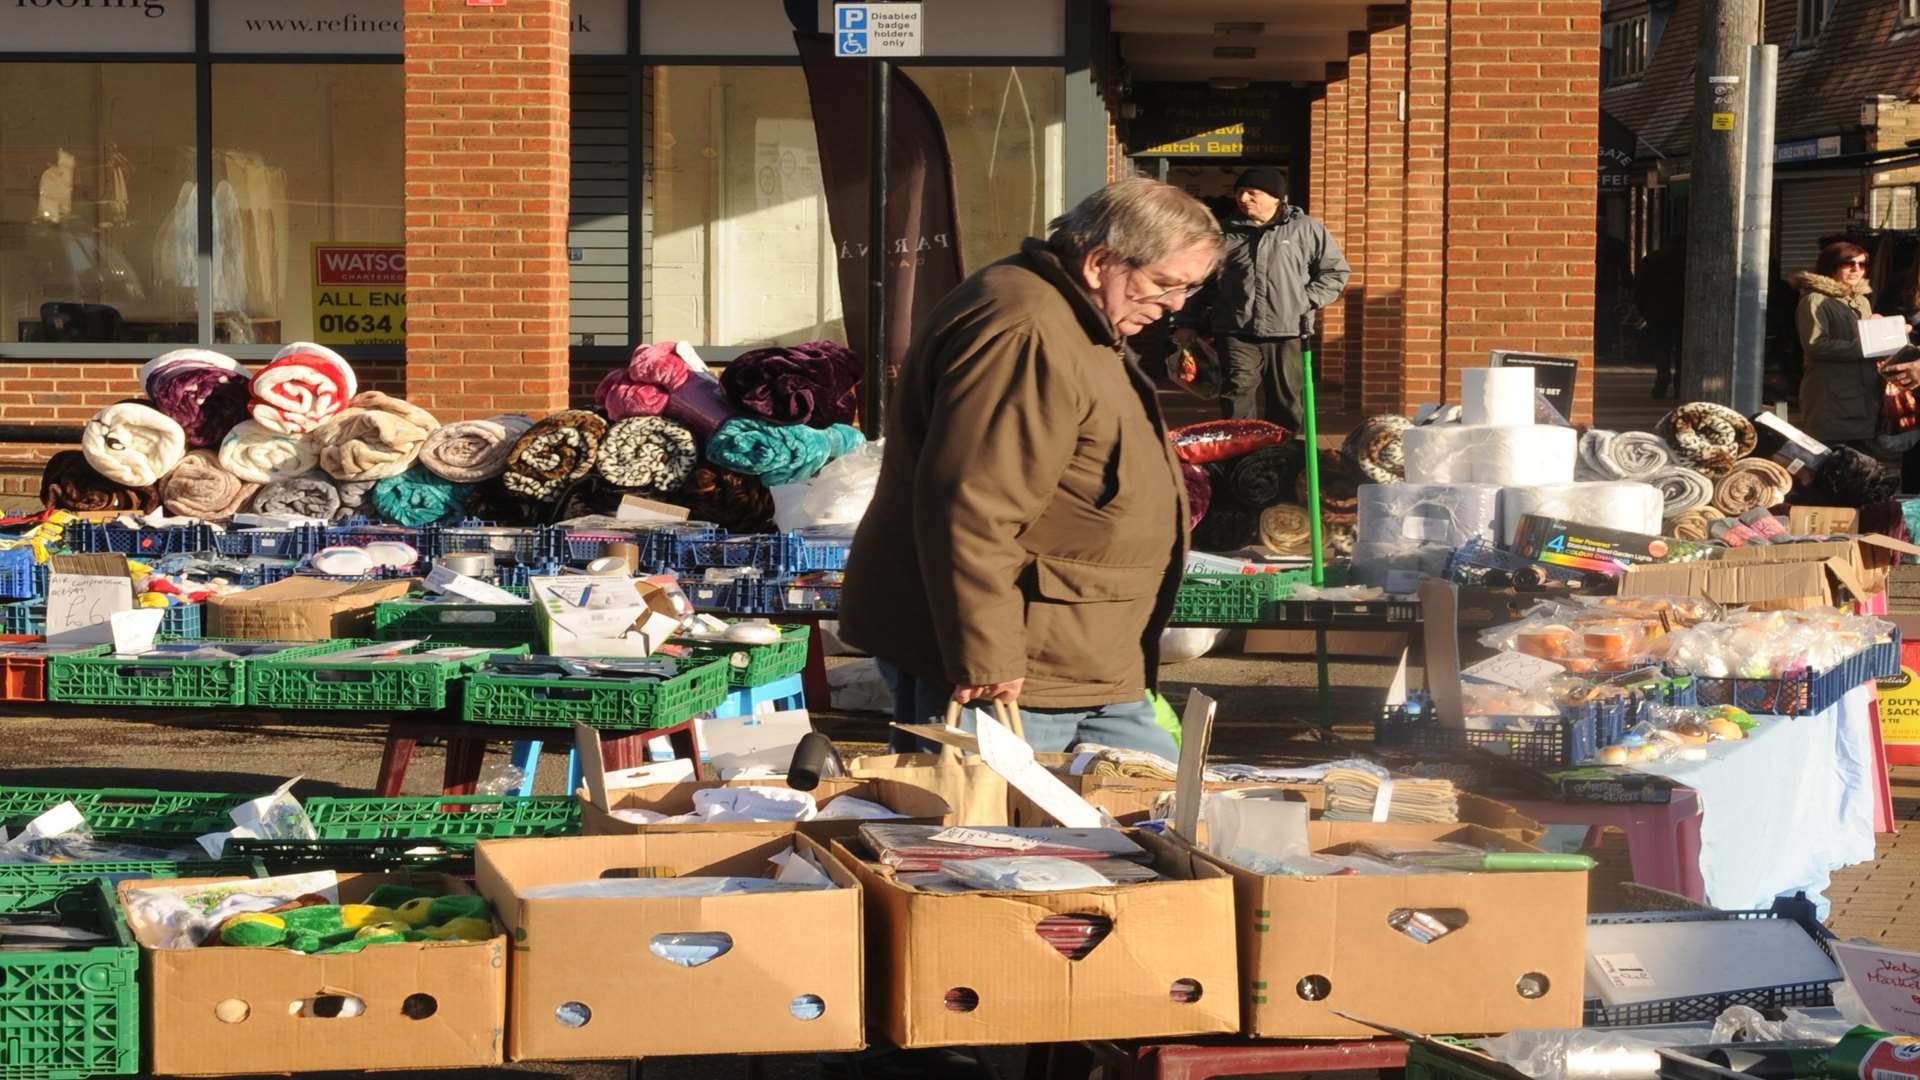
(590, 977)
(301, 609)
(1779, 576)
(1313, 945)
(216, 1010)
(973, 969)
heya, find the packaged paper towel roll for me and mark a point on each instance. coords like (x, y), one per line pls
(1405, 516)
(1438, 454)
(1617, 504)
(1502, 396)
(1525, 456)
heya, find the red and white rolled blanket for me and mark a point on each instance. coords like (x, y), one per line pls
(303, 386)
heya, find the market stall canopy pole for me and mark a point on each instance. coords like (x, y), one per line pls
(1713, 219)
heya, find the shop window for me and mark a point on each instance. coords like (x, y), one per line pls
(1625, 49)
(308, 230)
(94, 162)
(1909, 14)
(1812, 19)
(1006, 127)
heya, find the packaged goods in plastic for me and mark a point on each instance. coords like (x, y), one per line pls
(1496, 396)
(1618, 504)
(1528, 454)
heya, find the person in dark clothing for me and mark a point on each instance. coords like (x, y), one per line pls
(1280, 266)
(1660, 292)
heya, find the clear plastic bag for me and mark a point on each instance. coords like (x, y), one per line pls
(1590, 1053)
(837, 495)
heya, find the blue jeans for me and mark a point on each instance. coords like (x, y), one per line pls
(1128, 725)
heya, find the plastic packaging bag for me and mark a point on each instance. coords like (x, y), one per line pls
(837, 495)
(630, 888)
(1025, 873)
(1590, 1053)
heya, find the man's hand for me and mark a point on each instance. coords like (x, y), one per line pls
(1184, 336)
(1000, 691)
(1906, 374)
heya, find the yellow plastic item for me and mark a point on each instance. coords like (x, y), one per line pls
(356, 916)
(462, 929)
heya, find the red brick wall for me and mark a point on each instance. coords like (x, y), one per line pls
(1354, 239)
(1381, 375)
(1423, 290)
(486, 188)
(1334, 181)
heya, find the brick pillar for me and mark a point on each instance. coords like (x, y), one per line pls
(1423, 290)
(1523, 134)
(1354, 239)
(1381, 377)
(486, 214)
(1332, 183)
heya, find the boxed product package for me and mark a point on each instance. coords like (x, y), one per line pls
(1792, 575)
(301, 609)
(984, 968)
(215, 1009)
(677, 943)
(589, 615)
(1581, 546)
(1506, 946)
(830, 811)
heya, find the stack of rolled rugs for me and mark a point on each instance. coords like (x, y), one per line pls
(300, 437)
(1247, 488)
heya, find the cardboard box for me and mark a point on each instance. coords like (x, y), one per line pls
(582, 615)
(1822, 520)
(592, 956)
(1770, 576)
(971, 968)
(1132, 800)
(464, 983)
(920, 807)
(302, 609)
(1799, 453)
(1311, 945)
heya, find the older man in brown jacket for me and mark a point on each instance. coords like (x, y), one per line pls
(1027, 533)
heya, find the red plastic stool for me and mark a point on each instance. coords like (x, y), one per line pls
(1663, 839)
(467, 749)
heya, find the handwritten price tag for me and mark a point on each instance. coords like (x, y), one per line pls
(983, 839)
(1888, 982)
(1513, 669)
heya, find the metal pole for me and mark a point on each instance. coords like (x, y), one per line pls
(1713, 232)
(873, 399)
(1756, 233)
(1310, 431)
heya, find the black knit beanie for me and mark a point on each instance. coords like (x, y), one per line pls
(1269, 180)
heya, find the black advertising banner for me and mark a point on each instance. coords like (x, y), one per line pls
(1265, 120)
(923, 234)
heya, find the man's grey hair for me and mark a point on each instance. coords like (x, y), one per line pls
(1141, 221)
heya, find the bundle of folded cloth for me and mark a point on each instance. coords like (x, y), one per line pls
(814, 383)
(133, 444)
(1286, 529)
(647, 453)
(553, 453)
(1228, 526)
(198, 487)
(1707, 437)
(420, 497)
(1339, 489)
(311, 494)
(1092, 759)
(69, 483)
(259, 456)
(303, 386)
(374, 437)
(1265, 476)
(469, 451)
(1694, 524)
(1630, 455)
(203, 391)
(1681, 488)
(1752, 483)
(779, 453)
(1353, 793)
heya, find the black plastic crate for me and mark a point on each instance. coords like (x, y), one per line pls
(138, 541)
(1706, 1007)
(1554, 743)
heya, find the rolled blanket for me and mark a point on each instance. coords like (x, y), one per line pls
(734, 501)
(1886, 517)
(356, 498)
(1695, 524)
(651, 453)
(259, 456)
(199, 487)
(469, 451)
(311, 495)
(1375, 448)
(1628, 455)
(1227, 527)
(1753, 482)
(1265, 476)
(69, 483)
(1217, 440)
(1199, 493)
(1337, 539)
(491, 501)
(303, 386)
(419, 497)
(1681, 489)
(374, 437)
(779, 453)
(206, 400)
(1339, 488)
(622, 397)
(813, 383)
(1852, 478)
(1707, 437)
(202, 357)
(1285, 529)
(701, 404)
(554, 452)
(132, 444)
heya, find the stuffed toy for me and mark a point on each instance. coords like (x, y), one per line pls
(392, 913)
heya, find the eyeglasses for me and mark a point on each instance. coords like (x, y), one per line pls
(1857, 264)
(1184, 292)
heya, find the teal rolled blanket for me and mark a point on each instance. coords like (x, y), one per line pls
(779, 453)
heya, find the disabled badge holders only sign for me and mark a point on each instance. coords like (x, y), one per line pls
(878, 30)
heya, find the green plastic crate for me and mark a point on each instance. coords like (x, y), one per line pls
(97, 677)
(1234, 598)
(312, 683)
(490, 625)
(528, 701)
(454, 819)
(73, 1013)
(127, 813)
(42, 883)
(758, 665)
(412, 854)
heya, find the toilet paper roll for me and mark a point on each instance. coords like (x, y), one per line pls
(1526, 455)
(1400, 517)
(1496, 396)
(1616, 504)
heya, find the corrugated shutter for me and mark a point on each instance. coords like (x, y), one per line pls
(1806, 210)
(598, 263)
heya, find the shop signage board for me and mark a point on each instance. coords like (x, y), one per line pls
(97, 26)
(1825, 146)
(359, 294)
(878, 30)
(1193, 120)
(366, 27)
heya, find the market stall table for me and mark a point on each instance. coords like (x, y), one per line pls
(467, 748)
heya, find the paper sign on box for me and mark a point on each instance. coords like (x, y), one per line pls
(1888, 982)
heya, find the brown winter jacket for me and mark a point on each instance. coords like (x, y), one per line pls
(1841, 389)
(1029, 520)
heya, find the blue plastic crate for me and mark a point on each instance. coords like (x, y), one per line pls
(515, 577)
(18, 577)
(30, 617)
(743, 596)
(359, 532)
(232, 542)
(138, 542)
(1804, 694)
(821, 553)
(536, 545)
(297, 542)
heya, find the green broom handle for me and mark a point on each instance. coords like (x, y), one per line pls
(1311, 434)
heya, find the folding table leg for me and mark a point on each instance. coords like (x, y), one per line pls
(393, 761)
(465, 756)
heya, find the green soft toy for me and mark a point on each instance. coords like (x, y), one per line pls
(392, 896)
(405, 915)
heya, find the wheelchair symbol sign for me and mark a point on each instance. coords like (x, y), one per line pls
(852, 43)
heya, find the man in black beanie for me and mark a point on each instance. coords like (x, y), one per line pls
(1280, 267)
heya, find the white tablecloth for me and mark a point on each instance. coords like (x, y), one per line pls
(1787, 806)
